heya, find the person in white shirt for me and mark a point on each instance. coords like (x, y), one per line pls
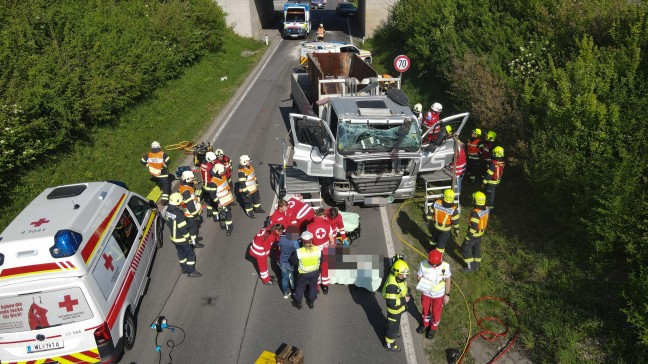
(434, 284)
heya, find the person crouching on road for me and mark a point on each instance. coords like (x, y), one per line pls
(261, 247)
(179, 235)
(308, 260)
(397, 296)
(249, 187)
(158, 165)
(435, 293)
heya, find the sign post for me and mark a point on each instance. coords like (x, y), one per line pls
(401, 64)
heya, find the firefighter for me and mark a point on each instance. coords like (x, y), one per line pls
(493, 175)
(221, 158)
(471, 248)
(445, 132)
(431, 122)
(320, 33)
(335, 219)
(302, 213)
(474, 168)
(485, 150)
(179, 235)
(308, 259)
(205, 173)
(248, 187)
(437, 274)
(260, 249)
(282, 216)
(323, 237)
(190, 205)
(397, 296)
(443, 217)
(158, 164)
(221, 194)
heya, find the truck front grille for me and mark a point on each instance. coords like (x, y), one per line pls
(377, 167)
(386, 185)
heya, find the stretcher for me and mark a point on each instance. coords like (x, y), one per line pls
(351, 222)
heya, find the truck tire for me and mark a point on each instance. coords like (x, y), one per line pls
(130, 330)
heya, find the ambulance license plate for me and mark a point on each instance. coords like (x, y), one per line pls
(52, 345)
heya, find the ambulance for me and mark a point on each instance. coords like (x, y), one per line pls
(73, 267)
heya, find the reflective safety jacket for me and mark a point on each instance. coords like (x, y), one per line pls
(177, 223)
(461, 162)
(478, 221)
(309, 259)
(494, 172)
(247, 179)
(395, 293)
(189, 200)
(437, 275)
(444, 215)
(473, 148)
(157, 163)
(227, 163)
(219, 190)
(262, 243)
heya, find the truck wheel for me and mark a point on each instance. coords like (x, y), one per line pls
(130, 330)
(159, 233)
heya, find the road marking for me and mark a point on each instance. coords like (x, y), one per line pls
(408, 342)
(236, 105)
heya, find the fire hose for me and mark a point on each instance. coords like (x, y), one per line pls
(485, 333)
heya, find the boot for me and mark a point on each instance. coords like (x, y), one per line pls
(468, 268)
(420, 329)
(250, 214)
(310, 304)
(215, 216)
(259, 210)
(228, 229)
(325, 290)
(194, 274)
(429, 334)
(297, 305)
(392, 347)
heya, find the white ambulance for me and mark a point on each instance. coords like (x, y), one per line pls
(73, 267)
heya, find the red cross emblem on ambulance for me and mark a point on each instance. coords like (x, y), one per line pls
(68, 303)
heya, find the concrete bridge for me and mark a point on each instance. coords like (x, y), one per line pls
(250, 17)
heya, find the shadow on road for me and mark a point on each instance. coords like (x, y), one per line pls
(368, 301)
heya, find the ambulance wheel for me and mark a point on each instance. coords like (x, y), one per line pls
(160, 233)
(130, 329)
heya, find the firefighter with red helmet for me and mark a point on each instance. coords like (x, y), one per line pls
(249, 187)
(477, 223)
(158, 165)
(436, 291)
(261, 247)
(190, 204)
(323, 237)
(444, 219)
(221, 194)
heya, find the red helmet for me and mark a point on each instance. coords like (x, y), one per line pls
(435, 257)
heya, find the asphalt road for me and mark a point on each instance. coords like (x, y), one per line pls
(228, 315)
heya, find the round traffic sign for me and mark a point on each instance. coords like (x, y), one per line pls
(402, 63)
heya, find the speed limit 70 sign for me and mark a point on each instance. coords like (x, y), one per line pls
(402, 63)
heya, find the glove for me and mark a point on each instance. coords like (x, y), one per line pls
(346, 241)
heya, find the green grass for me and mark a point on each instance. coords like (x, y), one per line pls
(178, 111)
(565, 317)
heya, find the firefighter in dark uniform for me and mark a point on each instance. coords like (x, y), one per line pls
(191, 205)
(443, 217)
(248, 187)
(158, 164)
(308, 259)
(472, 152)
(397, 296)
(493, 175)
(486, 150)
(220, 193)
(179, 235)
(471, 248)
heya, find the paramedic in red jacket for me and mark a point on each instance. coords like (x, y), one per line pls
(335, 219)
(282, 215)
(260, 249)
(302, 212)
(323, 237)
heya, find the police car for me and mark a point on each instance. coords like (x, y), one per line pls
(73, 267)
(331, 47)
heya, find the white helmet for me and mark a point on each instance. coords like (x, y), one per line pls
(210, 157)
(219, 152)
(322, 25)
(307, 235)
(188, 176)
(418, 108)
(219, 169)
(175, 199)
(436, 107)
(244, 159)
(155, 145)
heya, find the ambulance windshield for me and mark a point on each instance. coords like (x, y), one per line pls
(44, 309)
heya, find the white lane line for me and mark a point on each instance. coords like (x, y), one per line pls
(244, 94)
(408, 342)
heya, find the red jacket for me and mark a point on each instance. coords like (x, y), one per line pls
(300, 211)
(227, 163)
(205, 172)
(262, 243)
(461, 162)
(337, 224)
(285, 219)
(321, 230)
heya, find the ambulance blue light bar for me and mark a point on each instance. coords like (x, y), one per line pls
(66, 243)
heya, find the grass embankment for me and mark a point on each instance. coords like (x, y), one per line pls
(178, 111)
(525, 262)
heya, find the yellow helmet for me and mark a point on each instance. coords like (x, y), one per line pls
(477, 132)
(400, 267)
(491, 136)
(175, 199)
(448, 128)
(448, 195)
(498, 152)
(479, 198)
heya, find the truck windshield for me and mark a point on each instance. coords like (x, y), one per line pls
(374, 137)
